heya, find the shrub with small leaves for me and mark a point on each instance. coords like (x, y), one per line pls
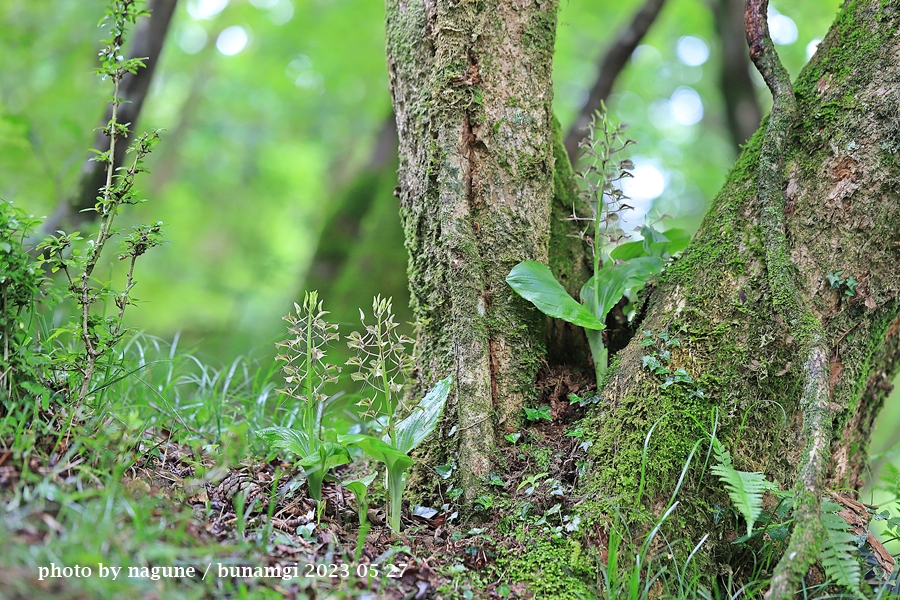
(22, 360)
(97, 333)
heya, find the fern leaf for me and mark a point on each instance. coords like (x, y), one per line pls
(744, 488)
(839, 551)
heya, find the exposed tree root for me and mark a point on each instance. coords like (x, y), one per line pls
(818, 412)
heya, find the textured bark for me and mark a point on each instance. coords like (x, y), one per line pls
(725, 299)
(471, 90)
(727, 309)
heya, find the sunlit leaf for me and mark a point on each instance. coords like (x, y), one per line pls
(534, 282)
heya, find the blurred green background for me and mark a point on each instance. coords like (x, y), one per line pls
(276, 117)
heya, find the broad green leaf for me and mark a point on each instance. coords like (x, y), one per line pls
(412, 431)
(628, 251)
(615, 279)
(397, 463)
(379, 450)
(359, 486)
(653, 236)
(328, 455)
(660, 245)
(678, 240)
(292, 440)
(316, 457)
(534, 282)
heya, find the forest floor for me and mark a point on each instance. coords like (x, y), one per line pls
(97, 491)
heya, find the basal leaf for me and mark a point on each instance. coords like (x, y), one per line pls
(614, 279)
(628, 251)
(292, 440)
(411, 431)
(534, 282)
(359, 486)
(379, 450)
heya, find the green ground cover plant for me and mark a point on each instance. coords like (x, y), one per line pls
(381, 365)
(628, 265)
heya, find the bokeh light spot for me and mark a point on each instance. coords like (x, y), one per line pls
(205, 9)
(232, 40)
(686, 106)
(692, 51)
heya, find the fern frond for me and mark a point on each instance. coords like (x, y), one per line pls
(744, 488)
(839, 550)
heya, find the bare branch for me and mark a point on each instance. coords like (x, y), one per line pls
(611, 64)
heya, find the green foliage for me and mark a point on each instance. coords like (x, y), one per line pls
(653, 243)
(534, 282)
(658, 362)
(394, 449)
(629, 266)
(360, 487)
(745, 489)
(839, 549)
(98, 333)
(845, 284)
(381, 364)
(36, 359)
(23, 362)
(536, 414)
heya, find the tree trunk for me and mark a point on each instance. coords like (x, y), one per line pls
(842, 221)
(738, 92)
(476, 175)
(472, 94)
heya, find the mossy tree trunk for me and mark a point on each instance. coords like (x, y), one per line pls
(471, 85)
(841, 183)
(472, 94)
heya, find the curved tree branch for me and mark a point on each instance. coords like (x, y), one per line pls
(611, 65)
(818, 411)
(147, 42)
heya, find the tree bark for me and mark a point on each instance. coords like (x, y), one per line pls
(475, 183)
(472, 94)
(841, 220)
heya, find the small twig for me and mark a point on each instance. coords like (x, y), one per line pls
(843, 335)
(147, 42)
